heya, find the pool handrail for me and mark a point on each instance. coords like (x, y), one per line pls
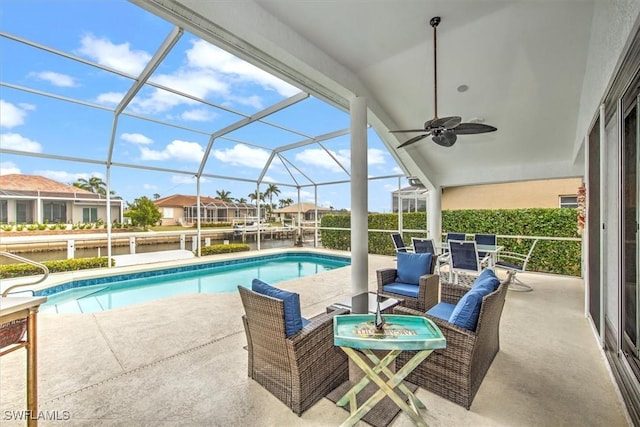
(26, 261)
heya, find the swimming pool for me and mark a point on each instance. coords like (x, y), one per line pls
(92, 295)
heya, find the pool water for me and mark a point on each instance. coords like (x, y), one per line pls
(219, 277)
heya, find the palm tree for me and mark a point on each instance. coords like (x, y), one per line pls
(272, 190)
(98, 186)
(285, 202)
(156, 196)
(241, 200)
(255, 196)
(224, 195)
(83, 184)
(94, 184)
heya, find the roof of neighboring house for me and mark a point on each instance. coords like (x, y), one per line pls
(31, 185)
(304, 207)
(185, 200)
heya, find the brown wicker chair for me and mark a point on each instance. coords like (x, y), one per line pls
(427, 293)
(298, 370)
(457, 371)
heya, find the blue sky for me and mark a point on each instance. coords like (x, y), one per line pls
(122, 37)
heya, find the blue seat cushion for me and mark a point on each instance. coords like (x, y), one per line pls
(406, 289)
(486, 282)
(411, 266)
(467, 310)
(442, 310)
(292, 316)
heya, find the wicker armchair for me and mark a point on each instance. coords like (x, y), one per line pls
(427, 293)
(457, 371)
(298, 370)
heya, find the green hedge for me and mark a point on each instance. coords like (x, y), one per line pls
(224, 249)
(558, 257)
(8, 271)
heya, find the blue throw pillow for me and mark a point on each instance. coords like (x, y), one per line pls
(467, 310)
(292, 317)
(486, 282)
(412, 266)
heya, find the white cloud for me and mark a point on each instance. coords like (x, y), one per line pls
(186, 179)
(198, 115)
(210, 71)
(12, 115)
(8, 168)
(149, 186)
(177, 150)
(118, 56)
(110, 98)
(396, 169)
(320, 158)
(56, 79)
(207, 56)
(14, 141)
(136, 138)
(243, 155)
(67, 177)
(375, 156)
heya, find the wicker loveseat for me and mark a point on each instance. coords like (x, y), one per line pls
(457, 371)
(300, 369)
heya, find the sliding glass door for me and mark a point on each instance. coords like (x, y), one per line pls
(630, 163)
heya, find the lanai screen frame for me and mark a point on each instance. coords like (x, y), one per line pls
(144, 79)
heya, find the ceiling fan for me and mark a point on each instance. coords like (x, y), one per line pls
(443, 131)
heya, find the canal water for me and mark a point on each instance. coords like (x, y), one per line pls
(61, 254)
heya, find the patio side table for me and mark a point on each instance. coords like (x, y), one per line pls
(399, 333)
(18, 315)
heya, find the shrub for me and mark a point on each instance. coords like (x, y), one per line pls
(8, 271)
(559, 257)
(224, 249)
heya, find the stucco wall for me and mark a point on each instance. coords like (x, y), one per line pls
(515, 195)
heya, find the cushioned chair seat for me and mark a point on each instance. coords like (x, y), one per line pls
(442, 310)
(406, 289)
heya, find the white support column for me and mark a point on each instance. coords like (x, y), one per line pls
(315, 216)
(434, 213)
(258, 201)
(199, 223)
(359, 197)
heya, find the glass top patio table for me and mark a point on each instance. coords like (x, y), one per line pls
(399, 332)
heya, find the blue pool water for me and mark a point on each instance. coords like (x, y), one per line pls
(88, 296)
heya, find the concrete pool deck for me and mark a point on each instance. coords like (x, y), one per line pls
(180, 361)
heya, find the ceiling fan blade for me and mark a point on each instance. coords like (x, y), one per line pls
(412, 140)
(406, 130)
(471, 128)
(445, 138)
(444, 122)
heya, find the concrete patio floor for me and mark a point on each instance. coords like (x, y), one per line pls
(180, 361)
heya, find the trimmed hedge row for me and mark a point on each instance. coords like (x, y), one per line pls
(224, 249)
(558, 257)
(8, 271)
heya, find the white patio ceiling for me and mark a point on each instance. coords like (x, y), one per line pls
(524, 63)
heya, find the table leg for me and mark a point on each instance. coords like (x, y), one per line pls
(415, 402)
(385, 387)
(32, 369)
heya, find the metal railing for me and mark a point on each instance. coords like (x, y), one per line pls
(26, 261)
